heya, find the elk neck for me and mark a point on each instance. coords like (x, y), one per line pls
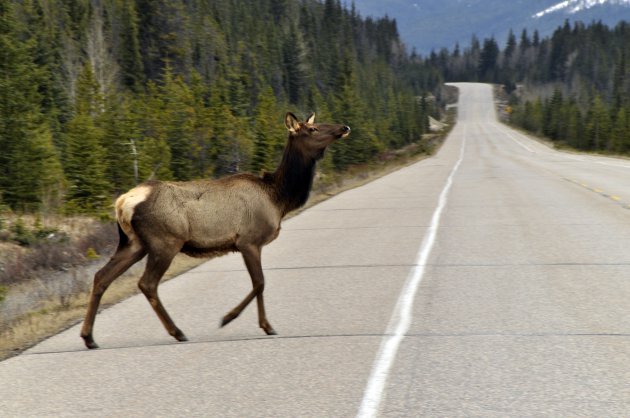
(293, 179)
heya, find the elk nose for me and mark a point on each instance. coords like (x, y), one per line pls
(345, 131)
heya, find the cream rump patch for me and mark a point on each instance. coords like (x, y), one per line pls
(126, 204)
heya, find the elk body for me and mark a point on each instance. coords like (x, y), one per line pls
(208, 218)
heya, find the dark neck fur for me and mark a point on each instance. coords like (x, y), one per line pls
(292, 180)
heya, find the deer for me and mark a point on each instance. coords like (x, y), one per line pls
(210, 218)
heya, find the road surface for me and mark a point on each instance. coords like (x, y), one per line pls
(490, 280)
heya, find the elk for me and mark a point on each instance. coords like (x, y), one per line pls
(209, 218)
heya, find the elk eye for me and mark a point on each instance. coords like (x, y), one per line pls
(312, 129)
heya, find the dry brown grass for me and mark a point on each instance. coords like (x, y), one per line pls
(59, 312)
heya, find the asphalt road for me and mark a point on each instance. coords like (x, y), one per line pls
(490, 280)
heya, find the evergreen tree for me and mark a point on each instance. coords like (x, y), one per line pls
(162, 29)
(488, 60)
(269, 132)
(598, 125)
(362, 144)
(552, 118)
(295, 67)
(178, 120)
(620, 134)
(88, 190)
(620, 76)
(232, 144)
(127, 43)
(154, 154)
(121, 135)
(510, 47)
(202, 128)
(575, 128)
(88, 100)
(84, 155)
(525, 42)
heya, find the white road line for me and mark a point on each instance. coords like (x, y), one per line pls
(508, 133)
(584, 158)
(401, 317)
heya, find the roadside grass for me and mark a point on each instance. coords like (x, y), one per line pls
(62, 310)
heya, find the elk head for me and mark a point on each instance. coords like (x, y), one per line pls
(312, 138)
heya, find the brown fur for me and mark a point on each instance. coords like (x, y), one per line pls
(209, 218)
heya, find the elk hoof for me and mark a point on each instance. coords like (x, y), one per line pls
(179, 336)
(89, 342)
(227, 319)
(266, 326)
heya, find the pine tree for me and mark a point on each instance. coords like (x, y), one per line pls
(84, 155)
(552, 117)
(575, 128)
(295, 67)
(88, 190)
(510, 47)
(525, 42)
(269, 132)
(127, 44)
(536, 39)
(232, 143)
(178, 121)
(162, 29)
(620, 134)
(120, 138)
(202, 128)
(239, 82)
(598, 125)
(362, 144)
(488, 60)
(154, 154)
(620, 75)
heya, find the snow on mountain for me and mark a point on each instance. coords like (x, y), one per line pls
(428, 25)
(576, 6)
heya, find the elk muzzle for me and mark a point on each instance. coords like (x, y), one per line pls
(345, 131)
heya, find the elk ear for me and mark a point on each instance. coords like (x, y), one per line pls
(291, 122)
(311, 119)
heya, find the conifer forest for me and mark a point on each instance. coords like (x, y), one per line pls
(99, 95)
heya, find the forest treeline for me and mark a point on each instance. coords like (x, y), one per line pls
(572, 87)
(98, 95)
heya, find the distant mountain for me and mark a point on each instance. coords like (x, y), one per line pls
(429, 24)
(578, 6)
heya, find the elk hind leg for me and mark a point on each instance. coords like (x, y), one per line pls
(157, 264)
(251, 256)
(125, 256)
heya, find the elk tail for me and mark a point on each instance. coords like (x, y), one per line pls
(123, 239)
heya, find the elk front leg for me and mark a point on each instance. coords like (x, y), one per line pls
(251, 256)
